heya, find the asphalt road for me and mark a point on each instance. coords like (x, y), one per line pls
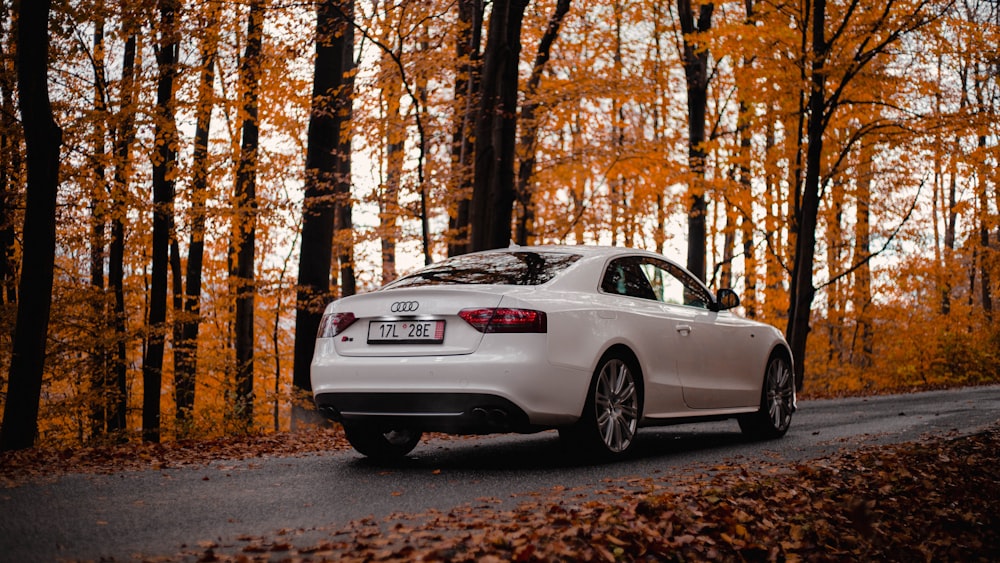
(165, 512)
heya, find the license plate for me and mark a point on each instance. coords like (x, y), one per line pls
(406, 332)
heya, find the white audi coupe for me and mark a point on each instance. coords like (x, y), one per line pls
(593, 341)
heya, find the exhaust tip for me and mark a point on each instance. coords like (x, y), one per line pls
(330, 412)
(491, 416)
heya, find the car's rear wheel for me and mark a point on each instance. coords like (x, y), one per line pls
(379, 443)
(777, 402)
(611, 415)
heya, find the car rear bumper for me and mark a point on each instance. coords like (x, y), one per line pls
(507, 385)
(460, 413)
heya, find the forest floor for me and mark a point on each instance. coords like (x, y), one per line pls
(936, 500)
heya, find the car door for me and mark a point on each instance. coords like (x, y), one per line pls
(710, 358)
(640, 321)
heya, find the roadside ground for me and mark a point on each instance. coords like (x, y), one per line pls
(936, 500)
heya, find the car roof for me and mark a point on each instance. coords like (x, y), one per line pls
(591, 252)
(583, 250)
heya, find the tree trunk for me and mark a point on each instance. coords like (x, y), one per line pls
(772, 304)
(164, 160)
(835, 295)
(616, 184)
(746, 216)
(325, 164)
(802, 289)
(862, 252)
(695, 60)
(529, 127)
(242, 250)
(986, 253)
(186, 339)
(725, 265)
(496, 123)
(343, 238)
(467, 76)
(99, 376)
(10, 167)
(950, 234)
(43, 139)
(124, 136)
(746, 199)
(395, 141)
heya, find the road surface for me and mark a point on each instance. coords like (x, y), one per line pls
(165, 512)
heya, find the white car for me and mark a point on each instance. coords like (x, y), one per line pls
(593, 341)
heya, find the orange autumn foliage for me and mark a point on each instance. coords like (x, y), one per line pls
(908, 235)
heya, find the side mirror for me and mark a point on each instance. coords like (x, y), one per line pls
(726, 299)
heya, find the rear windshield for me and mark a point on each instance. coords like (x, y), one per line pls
(494, 268)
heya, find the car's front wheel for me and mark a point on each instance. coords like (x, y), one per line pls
(611, 415)
(777, 402)
(379, 443)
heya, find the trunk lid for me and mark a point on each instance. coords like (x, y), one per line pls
(412, 322)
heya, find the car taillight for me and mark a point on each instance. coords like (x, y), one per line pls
(504, 320)
(335, 323)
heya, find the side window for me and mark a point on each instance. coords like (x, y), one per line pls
(667, 288)
(672, 285)
(625, 277)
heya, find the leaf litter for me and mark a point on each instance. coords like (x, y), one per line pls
(935, 500)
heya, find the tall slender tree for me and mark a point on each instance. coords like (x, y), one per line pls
(43, 138)
(529, 125)
(695, 57)
(10, 157)
(242, 252)
(164, 161)
(395, 157)
(468, 40)
(124, 135)
(862, 287)
(186, 338)
(496, 124)
(327, 174)
(100, 375)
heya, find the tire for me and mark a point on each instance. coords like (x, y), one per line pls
(611, 414)
(777, 402)
(381, 444)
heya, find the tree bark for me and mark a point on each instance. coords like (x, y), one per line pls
(862, 251)
(835, 294)
(124, 135)
(493, 187)
(242, 250)
(43, 138)
(327, 175)
(695, 59)
(986, 252)
(10, 166)
(186, 339)
(745, 210)
(395, 155)
(529, 125)
(100, 376)
(164, 160)
(802, 289)
(467, 81)
(745, 207)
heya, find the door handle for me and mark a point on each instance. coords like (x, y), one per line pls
(684, 329)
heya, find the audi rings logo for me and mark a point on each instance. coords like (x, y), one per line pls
(404, 306)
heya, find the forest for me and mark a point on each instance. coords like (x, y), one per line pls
(185, 184)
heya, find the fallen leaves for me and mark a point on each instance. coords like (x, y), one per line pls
(938, 500)
(18, 466)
